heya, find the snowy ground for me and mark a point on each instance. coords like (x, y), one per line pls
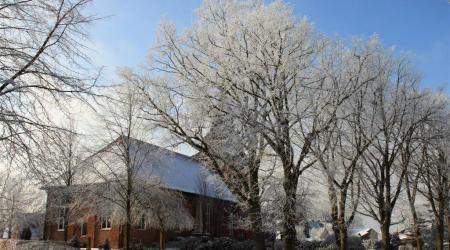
(31, 245)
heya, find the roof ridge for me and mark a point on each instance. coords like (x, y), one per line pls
(166, 149)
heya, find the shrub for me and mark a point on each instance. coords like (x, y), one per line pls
(74, 242)
(25, 234)
(104, 245)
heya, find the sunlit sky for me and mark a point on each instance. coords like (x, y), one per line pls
(421, 27)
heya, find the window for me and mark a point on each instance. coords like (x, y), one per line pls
(208, 217)
(142, 222)
(178, 229)
(231, 225)
(198, 226)
(61, 219)
(106, 223)
(84, 229)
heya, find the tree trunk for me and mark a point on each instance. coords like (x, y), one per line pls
(332, 196)
(255, 212)
(439, 220)
(385, 236)
(412, 207)
(127, 235)
(342, 236)
(128, 198)
(289, 212)
(447, 210)
(448, 223)
(342, 224)
(128, 229)
(417, 233)
(162, 239)
(439, 223)
(65, 232)
(439, 240)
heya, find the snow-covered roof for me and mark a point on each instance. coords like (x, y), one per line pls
(403, 236)
(181, 172)
(315, 224)
(177, 171)
(364, 232)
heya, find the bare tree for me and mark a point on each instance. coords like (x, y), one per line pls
(57, 160)
(435, 176)
(42, 64)
(121, 161)
(57, 163)
(10, 190)
(259, 61)
(339, 150)
(400, 109)
(16, 198)
(231, 148)
(414, 155)
(412, 180)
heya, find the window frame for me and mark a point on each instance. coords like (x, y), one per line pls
(61, 222)
(208, 217)
(106, 221)
(83, 230)
(142, 225)
(231, 225)
(198, 220)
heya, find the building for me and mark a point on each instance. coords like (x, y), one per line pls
(21, 221)
(406, 236)
(368, 234)
(208, 201)
(314, 230)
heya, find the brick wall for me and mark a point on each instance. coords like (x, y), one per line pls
(218, 226)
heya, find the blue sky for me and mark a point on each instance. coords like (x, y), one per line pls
(421, 27)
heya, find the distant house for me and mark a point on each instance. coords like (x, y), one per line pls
(314, 230)
(211, 209)
(368, 234)
(21, 221)
(406, 236)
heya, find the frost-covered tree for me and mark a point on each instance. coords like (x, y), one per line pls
(231, 148)
(415, 156)
(42, 64)
(57, 163)
(339, 150)
(128, 191)
(164, 210)
(262, 64)
(434, 176)
(400, 109)
(228, 59)
(57, 160)
(16, 199)
(121, 162)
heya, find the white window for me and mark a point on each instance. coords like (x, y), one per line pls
(61, 219)
(84, 229)
(105, 223)
(142, 222)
